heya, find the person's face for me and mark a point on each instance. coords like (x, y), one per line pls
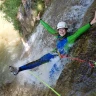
(62, 31)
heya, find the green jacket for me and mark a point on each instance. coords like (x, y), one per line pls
(65, 44)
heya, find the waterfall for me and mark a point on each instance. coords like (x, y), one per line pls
(41, 45)
(40, 42)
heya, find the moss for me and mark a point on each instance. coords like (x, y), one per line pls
(10, 8)
(92, 93)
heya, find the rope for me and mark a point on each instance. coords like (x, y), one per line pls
(80, 60)
(45, 83)
(63, 56)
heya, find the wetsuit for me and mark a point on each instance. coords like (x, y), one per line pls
(63, 44)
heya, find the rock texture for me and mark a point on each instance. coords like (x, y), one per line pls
(77, 79)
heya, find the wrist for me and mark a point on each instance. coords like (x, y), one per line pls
(40, 19)
(91, 23)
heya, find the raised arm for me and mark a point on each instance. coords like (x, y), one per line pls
(46, 26)
(81, 30)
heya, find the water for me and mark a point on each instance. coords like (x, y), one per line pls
(10, 45)
(51, 71)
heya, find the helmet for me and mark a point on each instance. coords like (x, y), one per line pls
(62, 25)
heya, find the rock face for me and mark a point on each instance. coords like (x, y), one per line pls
(25, 17)
(77, 79)
(27, 13)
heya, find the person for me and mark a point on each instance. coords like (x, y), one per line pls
(63, 43)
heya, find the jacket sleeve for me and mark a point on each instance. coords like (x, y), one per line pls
(48, 28)
(79, 32)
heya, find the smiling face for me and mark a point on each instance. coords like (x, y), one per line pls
(62, 31)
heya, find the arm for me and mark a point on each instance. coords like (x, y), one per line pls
(48, 27)
(79, 32)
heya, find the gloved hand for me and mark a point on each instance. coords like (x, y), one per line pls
(38, 16)
(93, 20)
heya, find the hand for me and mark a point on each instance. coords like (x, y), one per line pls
(38, 16)
(94, 19)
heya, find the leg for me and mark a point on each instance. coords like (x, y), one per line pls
(42, 60)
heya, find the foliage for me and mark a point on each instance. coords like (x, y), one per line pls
(10, 8)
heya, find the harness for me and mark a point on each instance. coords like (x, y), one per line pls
(90, 62)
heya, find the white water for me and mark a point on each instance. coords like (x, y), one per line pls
(43, 71)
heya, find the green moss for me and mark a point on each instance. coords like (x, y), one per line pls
(10, 8)
(93, 93)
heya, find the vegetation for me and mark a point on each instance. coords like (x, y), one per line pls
(10, 8)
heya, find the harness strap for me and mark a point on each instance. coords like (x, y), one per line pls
(77, 59)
